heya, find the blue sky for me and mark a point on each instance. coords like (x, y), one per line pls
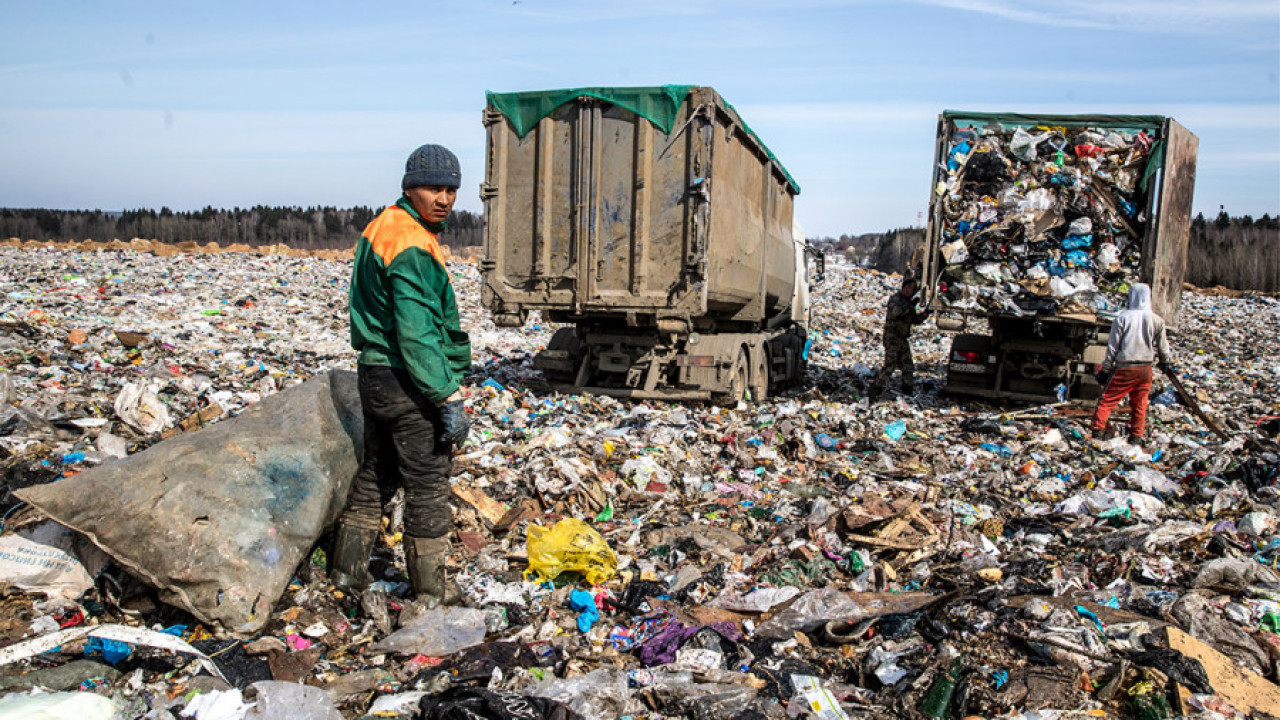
(145, 104)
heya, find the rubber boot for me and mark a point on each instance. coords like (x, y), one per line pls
(357, 534)
(425, 559)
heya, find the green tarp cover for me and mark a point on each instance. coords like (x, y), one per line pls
(659, 105)
(1116, 122)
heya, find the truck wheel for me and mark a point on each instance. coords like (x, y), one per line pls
(737, 389)
(760, 381)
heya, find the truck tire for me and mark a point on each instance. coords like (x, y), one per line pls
(760, 379)
(738, 381)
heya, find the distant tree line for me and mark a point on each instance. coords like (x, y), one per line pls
(312, 228)
(1240, 253)
(892, 251)
(1236, 252)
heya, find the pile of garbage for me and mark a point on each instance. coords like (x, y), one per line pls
(1043, 220)
(823, 553)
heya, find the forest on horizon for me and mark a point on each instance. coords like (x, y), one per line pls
(1241, 253)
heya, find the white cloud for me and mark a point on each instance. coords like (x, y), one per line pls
(1178, 16)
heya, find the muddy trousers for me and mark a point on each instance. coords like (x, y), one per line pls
(1134, 381)
(402, 448)
(897, 356)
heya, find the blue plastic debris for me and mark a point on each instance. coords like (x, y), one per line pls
(1088, 614)
(1000, 677)
(1002, 450)
(113, 651)
(895, 430)
(585, 603)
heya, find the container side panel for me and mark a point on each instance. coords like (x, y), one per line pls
(555, 197)
(516, 259)
(613, 211)
(781, 256)
(1169, 266)
(735, 252)
(666, 203)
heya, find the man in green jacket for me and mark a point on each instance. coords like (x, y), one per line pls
(413, 355)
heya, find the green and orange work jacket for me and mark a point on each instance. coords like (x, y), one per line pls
(403, 310)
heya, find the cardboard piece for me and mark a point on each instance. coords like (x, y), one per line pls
(1247, 691)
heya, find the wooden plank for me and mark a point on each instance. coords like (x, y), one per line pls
(1246, 690)
(1190, 400)
(199, 419)
(490, 510)
(898, 543)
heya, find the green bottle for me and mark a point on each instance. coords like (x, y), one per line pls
(937, 702)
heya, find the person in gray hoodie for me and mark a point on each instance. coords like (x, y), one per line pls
(1136, 340)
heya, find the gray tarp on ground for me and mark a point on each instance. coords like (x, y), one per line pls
(218, 519)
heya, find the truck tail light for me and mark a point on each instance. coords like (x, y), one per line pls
(695, 360)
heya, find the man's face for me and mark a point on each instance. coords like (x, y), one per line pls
(910, 289)
(433, 202)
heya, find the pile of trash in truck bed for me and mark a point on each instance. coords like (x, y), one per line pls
(1042, 220)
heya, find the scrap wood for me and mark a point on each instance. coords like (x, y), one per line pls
(528, 509)
(1246, 690)
(1190, 400)
(891, 535)
(195, 420)
(490, 510)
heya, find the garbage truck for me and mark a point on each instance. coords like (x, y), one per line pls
(658, 227)
(1038, 225)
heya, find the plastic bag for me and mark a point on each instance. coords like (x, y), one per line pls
(1075, 242)
(598, 695)
(277, 700)
(140, 407)
(1095, 502)
(441, 631)
(955, 252)
(1080, 226)
(1150, 480)
(1023, 144)
(570, 544)
(59, 706)
(818, 607)
(219, 518)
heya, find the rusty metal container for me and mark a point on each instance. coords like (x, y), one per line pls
(643, 207)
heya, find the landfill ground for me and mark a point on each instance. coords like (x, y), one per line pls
(819, 553)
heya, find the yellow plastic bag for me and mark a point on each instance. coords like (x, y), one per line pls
(570, 544)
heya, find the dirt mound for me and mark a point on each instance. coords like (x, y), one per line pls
(161, 249)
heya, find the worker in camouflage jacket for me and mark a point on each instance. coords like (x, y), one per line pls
(413, 355)
(899, 317)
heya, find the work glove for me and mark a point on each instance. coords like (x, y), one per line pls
(1167, 368)
(454, 422)
(1104, 377)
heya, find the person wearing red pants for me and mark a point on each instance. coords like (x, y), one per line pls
(1136, 340)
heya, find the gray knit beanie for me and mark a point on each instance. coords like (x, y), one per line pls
(431, 165)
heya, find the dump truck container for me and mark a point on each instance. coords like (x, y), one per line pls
(656, 223)
(1038, 224)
